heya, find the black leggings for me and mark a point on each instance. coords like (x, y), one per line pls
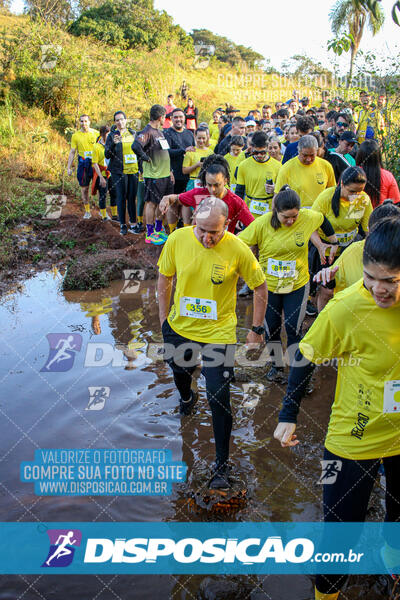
(103, 194)
(125, 187)
(346, 500)
(218, 378)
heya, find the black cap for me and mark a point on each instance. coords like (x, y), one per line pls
(348, 136)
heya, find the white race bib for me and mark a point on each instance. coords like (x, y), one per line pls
(130, 159)
(87, 154)
(281, 268)
(345, 239)
(391, 397)
(164, 144)
(259, 207)
(198, 308)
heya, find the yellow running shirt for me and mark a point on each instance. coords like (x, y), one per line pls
(234, 162)
(191, 158)
(129, 157)
(204, 308)
(365, 418)
(98, 154)
(307, 180)
(212, 143)
(351, 215)
(253, 176)
(283, 252)
(214, 130)
(83, 142)
(350, 266)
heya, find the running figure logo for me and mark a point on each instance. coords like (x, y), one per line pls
(62, 351)
(97, 397)
(330, 471)
(62, 547)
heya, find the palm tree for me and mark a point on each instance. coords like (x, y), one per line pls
(350, 16)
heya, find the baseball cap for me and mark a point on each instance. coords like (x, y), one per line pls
(348, 136)
(251, 123)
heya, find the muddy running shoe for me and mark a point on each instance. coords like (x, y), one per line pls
(87, 215)
(137, 229)
(276, 374)
(186, 408)
(123, 230)
(219, 479)
(311, 310)
(155, 239)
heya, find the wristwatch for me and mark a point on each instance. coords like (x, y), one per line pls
(258, 330)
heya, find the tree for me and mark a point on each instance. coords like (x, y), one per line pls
(374, 6)
(51, 11)
(226, 50)
(129, 24)
(352, 15)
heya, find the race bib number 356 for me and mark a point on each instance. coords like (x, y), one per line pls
(198, 308)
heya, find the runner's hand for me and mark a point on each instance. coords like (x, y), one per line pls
(164, 204)
(117, 138)
(321, 251)
(191, 149)
(254, 340)
(103, 182)
(172, 178)
(284, 433)
(269, 188)
(326, 275)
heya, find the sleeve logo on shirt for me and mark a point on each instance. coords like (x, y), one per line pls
(299, 238)
(217, 274)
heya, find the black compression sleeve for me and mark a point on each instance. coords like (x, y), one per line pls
(327, 227)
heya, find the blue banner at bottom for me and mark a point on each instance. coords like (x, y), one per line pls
(199, 548)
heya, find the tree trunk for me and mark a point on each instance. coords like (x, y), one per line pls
(352, 59)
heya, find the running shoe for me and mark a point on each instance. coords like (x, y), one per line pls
(220, 479)
(162, 233)
(87, 215)
(245, 291)
(155, 239)
(186, 407)
(107, 218)
(138, 228)
(276, 374)
(115, 218)
(311, 310)
(123, 230)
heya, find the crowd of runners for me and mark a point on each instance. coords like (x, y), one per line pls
(292, 199)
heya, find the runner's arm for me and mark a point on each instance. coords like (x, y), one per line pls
(166, 202)
(260, 301)
(71, 157)
(164, 290)
(138, 149)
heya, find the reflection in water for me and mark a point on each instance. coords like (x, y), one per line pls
(139, 410)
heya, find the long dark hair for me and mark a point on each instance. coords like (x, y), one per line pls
(349, 175)
(387, 209)
(382, 245)
(369, 157)
(285, 199)
(213, 164)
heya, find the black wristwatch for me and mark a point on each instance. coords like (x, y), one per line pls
(258, 330)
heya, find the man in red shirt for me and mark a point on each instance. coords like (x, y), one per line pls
(214, 177)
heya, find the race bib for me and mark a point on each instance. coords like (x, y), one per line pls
(198, 308)
(130, 159)
(164, 144)
(259, 207)
(345, 239)
(391, 397)
(281, 268)
(87, 154)
(197, 183)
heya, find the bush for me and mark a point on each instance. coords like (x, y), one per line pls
(49, 92)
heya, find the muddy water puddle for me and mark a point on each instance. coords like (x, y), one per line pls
(137, 408)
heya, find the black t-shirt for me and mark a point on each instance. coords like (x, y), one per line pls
(178, 142)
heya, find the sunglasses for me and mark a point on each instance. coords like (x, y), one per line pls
(341, 124)
(259, 152)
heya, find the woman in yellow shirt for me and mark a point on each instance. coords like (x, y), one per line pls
(360, 329)
(282, 237)
(234, 157)
(192, 162)
(347, 207)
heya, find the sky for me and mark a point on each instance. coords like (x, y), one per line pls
(275, 30)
